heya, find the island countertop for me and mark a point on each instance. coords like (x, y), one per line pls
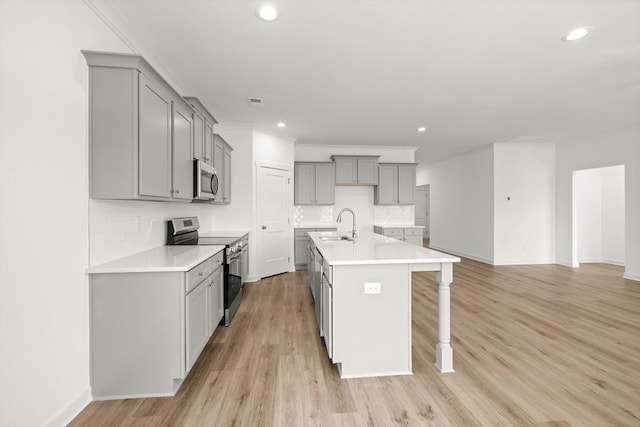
(371, 248)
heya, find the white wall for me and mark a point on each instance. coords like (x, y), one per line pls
(524, 203)
(44, 249)
(618, 148)
(613, 220)
(461, 204)
(588, 200)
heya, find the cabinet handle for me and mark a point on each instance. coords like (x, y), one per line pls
(177, 191)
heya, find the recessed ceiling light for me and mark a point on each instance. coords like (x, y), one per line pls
(267, 13)
(422, 129)
(281, 124)
(576, 34)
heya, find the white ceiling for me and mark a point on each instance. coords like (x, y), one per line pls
(372, 71)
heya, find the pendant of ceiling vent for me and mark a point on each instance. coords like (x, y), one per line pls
(256, 102)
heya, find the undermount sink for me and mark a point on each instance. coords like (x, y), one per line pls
(336, 238)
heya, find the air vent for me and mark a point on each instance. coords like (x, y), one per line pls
(256, 102)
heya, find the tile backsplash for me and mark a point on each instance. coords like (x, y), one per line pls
(359, 199)
(122, 228)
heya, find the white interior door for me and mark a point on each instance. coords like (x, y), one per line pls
(273, 221)
(422, 208)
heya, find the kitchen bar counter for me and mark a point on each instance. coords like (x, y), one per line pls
(366, 303)
(371, 248)
(160, 259)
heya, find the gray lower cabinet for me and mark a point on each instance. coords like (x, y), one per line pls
(148, 329)
(301, 243)
(222, 163)
(314, 183)
(203, 131)
(327, 312)
(137, 124)
(412, 235)
(356, 170)
(396, 184)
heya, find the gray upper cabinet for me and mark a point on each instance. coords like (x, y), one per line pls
(154, 144)
(356, 170)
(198, 136)
(314, 183)
(203, 131)
(182, 167)
(396, 184)
(222, 163)
(140, 132)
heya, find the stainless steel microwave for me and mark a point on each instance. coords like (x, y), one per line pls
(206, 182)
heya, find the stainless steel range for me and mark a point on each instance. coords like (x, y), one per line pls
(184, 231)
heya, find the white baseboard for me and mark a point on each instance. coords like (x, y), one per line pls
(631, 276)
(67, 414)
(252, 279)
(589, 260)
(526, 262)
(565, 263)
(462, 254)
(614, 262)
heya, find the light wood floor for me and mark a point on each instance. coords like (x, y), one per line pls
(533, 346)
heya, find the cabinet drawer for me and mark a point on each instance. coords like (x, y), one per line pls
(413, 232)
(202, 270)
(393, 232)
(197, 275)
(216, 261)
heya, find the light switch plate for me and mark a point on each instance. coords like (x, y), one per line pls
(372, 287)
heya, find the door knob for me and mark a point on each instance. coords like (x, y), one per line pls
(264, 227)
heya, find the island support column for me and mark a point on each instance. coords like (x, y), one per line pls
(444, 352)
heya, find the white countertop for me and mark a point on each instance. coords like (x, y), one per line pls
(398, 226)
(371, 248)
(317, 225)
(160, 259)
(224, 233)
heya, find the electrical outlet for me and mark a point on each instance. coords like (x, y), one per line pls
(372, 287)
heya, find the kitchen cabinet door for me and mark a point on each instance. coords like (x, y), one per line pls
(209, 147)
(182, 170)
(368, 171)
(154, 149)
(300, 255)
(346, 171)
(197, 324)
(226, 180)
(387, 190)
(303, 183)
(198, 137)
(324, 184)
(327, 315)
(216, 299)
(406, 185)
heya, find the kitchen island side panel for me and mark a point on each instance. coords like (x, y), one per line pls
(372, 332)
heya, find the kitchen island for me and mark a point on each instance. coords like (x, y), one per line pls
(365, 302)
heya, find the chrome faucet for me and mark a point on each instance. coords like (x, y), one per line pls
(339, 219)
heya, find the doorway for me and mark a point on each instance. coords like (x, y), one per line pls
(599, 215)
(272, 216)
(422, 208)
